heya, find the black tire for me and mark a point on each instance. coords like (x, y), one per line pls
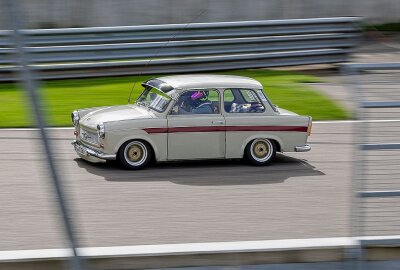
(260, 152)
(135, 154)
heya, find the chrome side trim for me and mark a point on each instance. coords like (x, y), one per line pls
(302, 148)
(94, 153)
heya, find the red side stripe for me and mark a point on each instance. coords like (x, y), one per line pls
(196, 129)
(225, 128)
(266, 128)
(156, 130)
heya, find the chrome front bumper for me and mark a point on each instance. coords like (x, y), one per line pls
(86, 152)
(302, 148)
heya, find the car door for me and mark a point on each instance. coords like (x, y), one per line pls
(196, 134)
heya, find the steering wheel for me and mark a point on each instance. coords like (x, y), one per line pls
(256, 107)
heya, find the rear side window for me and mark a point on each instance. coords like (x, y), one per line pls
(242, 101)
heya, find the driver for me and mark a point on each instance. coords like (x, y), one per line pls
(195, 103)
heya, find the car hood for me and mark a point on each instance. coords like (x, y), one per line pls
(115, 113)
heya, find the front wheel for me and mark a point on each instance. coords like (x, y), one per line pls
(135, 155)
(260, 151)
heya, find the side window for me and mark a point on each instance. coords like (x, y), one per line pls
(242, 101)
(199, 101)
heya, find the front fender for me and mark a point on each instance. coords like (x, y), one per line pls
(140, 135)
(156, 141)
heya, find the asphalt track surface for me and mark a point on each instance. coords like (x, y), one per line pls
(301, 195)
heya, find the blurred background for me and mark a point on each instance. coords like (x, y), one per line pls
(75, 13)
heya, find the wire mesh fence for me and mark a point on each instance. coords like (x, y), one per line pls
(377, 158)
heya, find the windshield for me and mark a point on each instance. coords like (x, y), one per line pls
(154, 99)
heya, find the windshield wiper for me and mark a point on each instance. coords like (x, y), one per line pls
(144, 104)
(141, 103)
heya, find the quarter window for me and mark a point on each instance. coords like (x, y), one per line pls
(242, 101)
(249, 96)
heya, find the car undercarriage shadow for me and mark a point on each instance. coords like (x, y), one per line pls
(206, 173)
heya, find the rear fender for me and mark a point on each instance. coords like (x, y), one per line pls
(262, 136)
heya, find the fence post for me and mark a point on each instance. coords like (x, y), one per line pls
(29, 84)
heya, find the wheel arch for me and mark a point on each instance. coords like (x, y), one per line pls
(278, 142)
(153, 147)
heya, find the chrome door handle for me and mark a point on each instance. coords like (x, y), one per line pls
(218, 122)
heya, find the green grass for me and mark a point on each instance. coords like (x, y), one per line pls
(386, 27)
(286, 89)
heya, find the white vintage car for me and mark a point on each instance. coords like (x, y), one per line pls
(189, 117)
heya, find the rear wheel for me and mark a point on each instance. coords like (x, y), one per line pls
(135, 155)
(260, 151)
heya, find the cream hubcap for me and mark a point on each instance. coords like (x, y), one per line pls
(261, 149)
(135, 153)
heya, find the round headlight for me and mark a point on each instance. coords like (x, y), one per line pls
(75, 118)
(101, 132)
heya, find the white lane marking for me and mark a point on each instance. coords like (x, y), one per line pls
(356, 121)
(314, 122)
(175, 249)
(193, 248)
(35, 129)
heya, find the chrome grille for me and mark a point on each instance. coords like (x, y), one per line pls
(89, 136)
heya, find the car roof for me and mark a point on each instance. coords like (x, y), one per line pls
(210, 81)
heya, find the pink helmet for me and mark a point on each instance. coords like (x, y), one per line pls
(197, 95)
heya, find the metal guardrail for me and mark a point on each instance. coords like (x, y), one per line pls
(126, 50)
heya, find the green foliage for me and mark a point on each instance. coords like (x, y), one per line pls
(61, 97)
(386, 27)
